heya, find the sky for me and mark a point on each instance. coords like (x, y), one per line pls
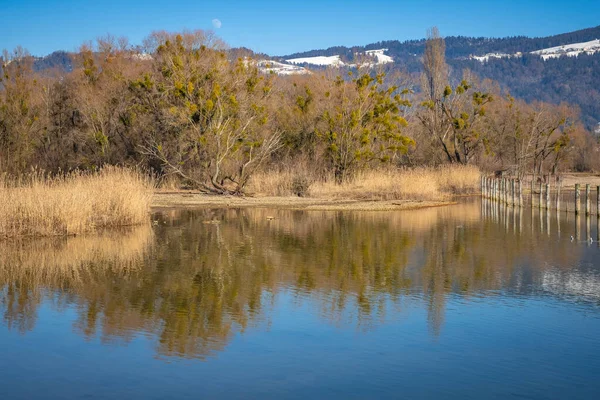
(284, 27)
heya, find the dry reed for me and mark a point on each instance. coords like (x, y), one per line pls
(388, 184)
(76, 203)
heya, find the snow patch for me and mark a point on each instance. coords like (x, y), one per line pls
(569, 50)
(486, 58)
(380, 56)
(333, 61)
(268, 66)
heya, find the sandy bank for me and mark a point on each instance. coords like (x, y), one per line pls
(194, 200)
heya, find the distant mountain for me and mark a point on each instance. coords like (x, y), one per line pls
(564, 67)
(557, 68)
(460, 46)
(60, 60)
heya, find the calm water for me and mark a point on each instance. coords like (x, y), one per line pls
(464, 302)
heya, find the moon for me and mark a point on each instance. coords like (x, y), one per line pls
(216, 23)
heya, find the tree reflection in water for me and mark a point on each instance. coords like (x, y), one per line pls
(198, 277)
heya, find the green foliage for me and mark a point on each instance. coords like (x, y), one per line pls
(364, 125)
(447, 91)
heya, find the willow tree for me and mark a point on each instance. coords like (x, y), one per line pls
(206, 116)
(362, 123)
(451, 115)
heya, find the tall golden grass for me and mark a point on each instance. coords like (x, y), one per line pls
(386, 184)
(76, 203)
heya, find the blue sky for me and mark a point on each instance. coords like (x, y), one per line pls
(283, 27)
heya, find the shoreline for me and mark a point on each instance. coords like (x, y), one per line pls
(166, 200)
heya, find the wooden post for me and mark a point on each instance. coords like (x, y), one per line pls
(513, 191)
(577, 199)
(541, 192)
(485, 186)
(482, 184)
(500, 192)
(588, 229)
(558, 198)
(496, 189)
(547, 196)
(532, 191)
(520, 192)
(598, 205)
(558, 222)
(587, 199)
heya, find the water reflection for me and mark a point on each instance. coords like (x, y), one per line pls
(196, 278)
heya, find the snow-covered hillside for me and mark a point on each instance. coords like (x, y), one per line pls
(569, 50)
(378, 56)
(333, 61)
(268, 66)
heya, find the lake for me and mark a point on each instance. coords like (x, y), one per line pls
(468, 301)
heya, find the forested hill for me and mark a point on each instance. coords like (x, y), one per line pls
(509, 61)
(575, 80)
(461, 46)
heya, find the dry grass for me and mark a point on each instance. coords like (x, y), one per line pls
(281, 183)
(390, 184)
(73, 204)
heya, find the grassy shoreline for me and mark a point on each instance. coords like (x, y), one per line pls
(374, 190)
(430, 184)
(80, 202)
(36, 205)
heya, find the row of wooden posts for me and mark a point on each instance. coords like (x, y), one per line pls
(510, 192)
